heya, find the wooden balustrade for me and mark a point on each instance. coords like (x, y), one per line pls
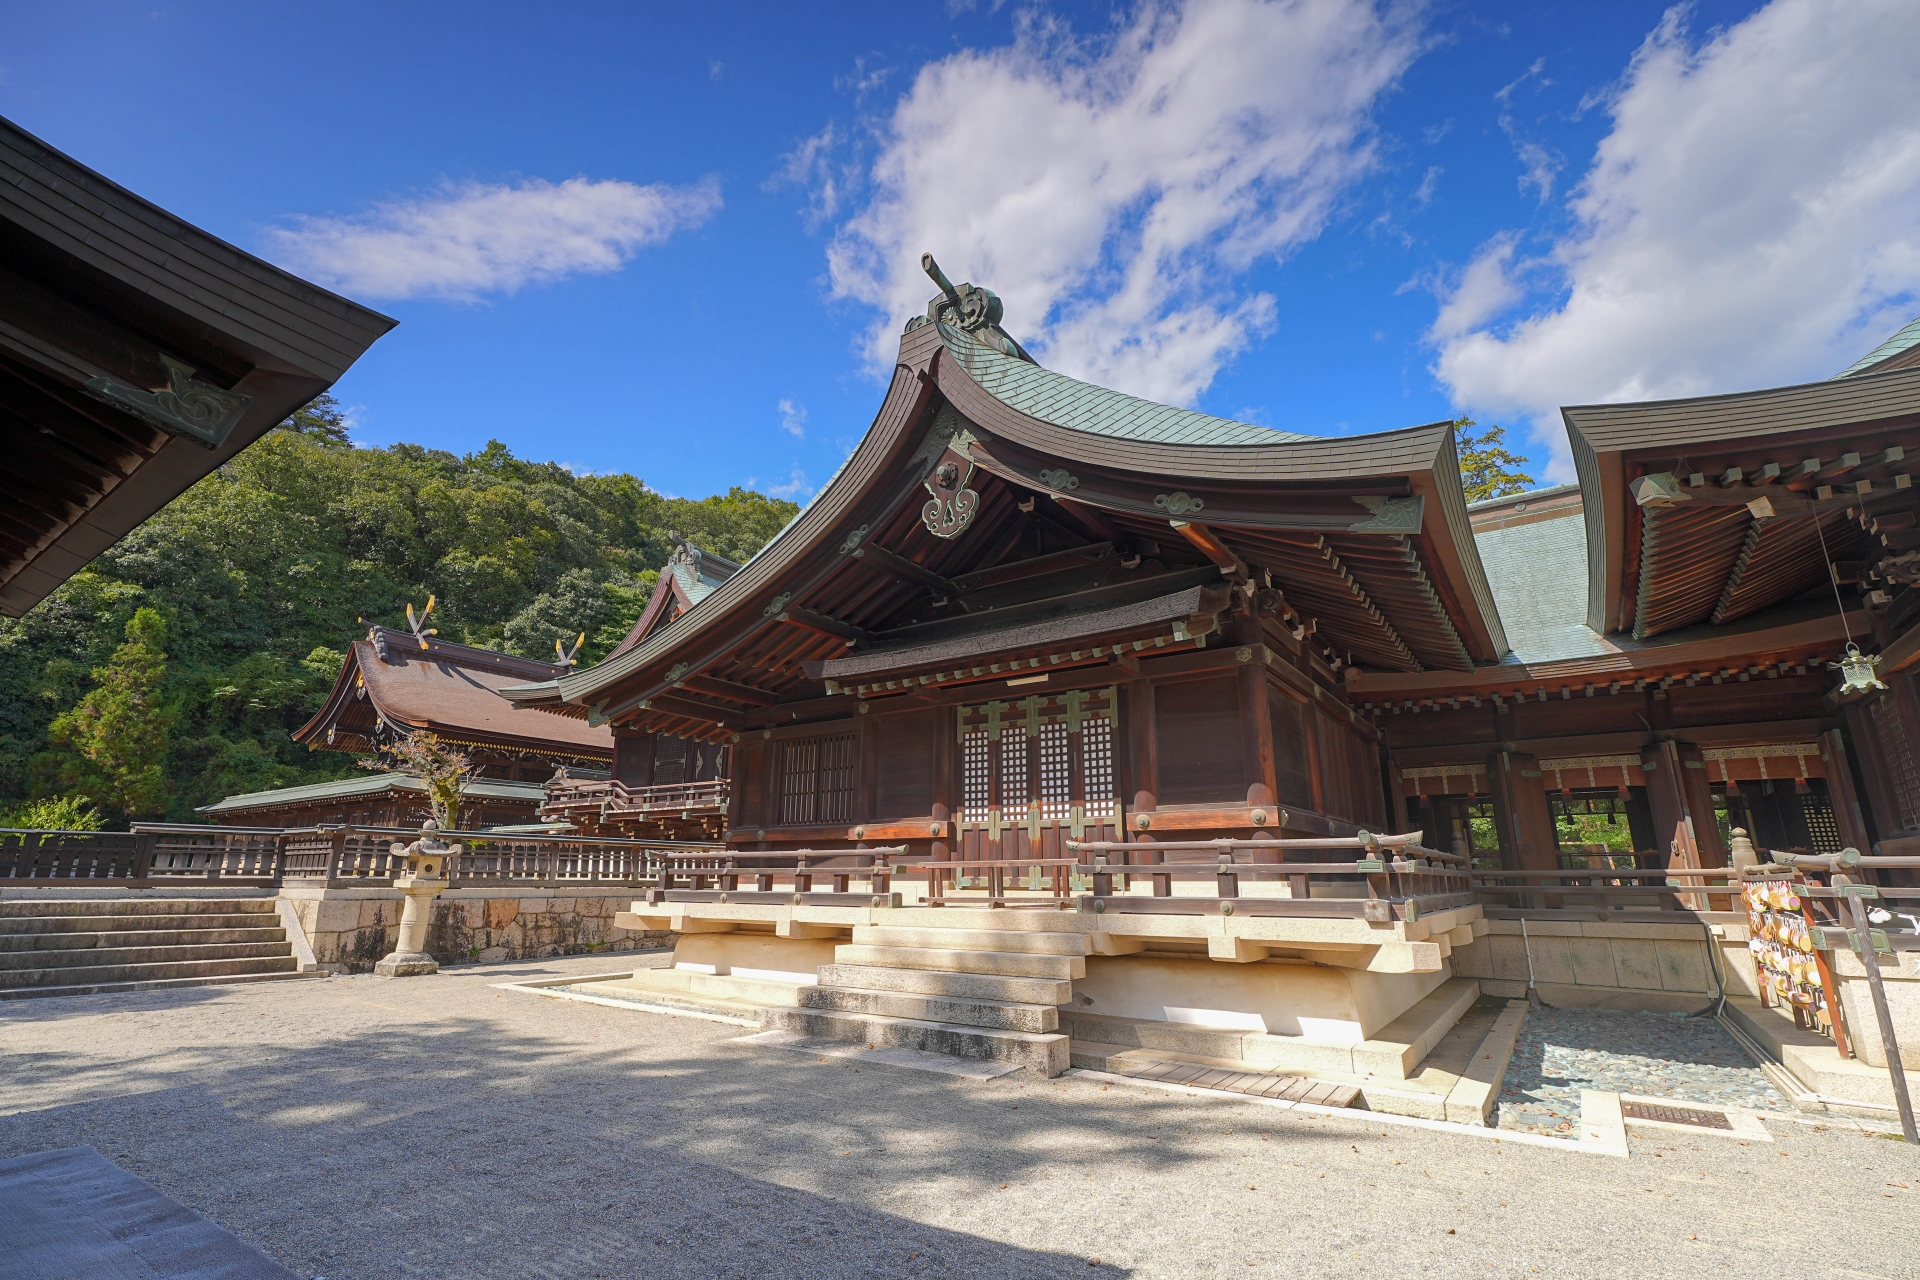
(717, 877)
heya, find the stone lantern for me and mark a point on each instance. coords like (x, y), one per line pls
(426, 876)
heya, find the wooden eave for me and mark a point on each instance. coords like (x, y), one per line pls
(1730, 655)
(96, 283)
(1651, 571)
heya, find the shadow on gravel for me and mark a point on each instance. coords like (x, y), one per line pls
(60, 1008)
(472, 1149)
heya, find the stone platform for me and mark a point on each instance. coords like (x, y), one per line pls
(1369, 1007)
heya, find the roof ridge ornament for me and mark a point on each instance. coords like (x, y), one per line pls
(971, 308)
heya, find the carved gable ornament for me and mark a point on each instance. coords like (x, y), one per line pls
(186, 407)
(954, 503)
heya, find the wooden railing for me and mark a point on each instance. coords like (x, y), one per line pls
(165, 854)
(145, 856)
(719, 877)
(570, 797)
(350, 853)
(1387, 878)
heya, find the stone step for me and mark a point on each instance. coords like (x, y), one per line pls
(934, 982)
(30, 926)
(1025, 942)
(996, 963)
(1224, 1074)
(28, 907)
(154, 984)
(1044, 1054)
(93, 957)
(1141, 1033)
(86, 975)
(950, 1009)
(141, 938)
(732, 988)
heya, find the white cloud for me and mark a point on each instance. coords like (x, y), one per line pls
(1428, 186)
(474, 238)
(794, 486)
(1112, 191)
(1752, 219)
(793, 419)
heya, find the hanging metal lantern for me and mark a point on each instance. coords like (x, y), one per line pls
(1858, 671)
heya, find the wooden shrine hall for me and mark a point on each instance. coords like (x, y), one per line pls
(1244, 710)
(663, 785)
(397, 683)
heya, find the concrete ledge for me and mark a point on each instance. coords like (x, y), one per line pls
(1402, 1043)
(1842, 1084)
(1601, 1124)
(1472, 1100)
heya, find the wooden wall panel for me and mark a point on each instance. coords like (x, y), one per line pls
(1291, 761)
(633, 759)
(905, 786)
(1197, 740)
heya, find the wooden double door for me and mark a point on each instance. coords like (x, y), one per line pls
(1036, 772)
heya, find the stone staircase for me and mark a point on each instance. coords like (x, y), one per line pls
(78, 947)
(986, 994)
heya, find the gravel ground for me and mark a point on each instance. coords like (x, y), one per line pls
(1562, 1051)
(363, 1128)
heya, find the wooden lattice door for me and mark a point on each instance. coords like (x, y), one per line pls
(1036, 772)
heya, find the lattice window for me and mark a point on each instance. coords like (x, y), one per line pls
(1096, 764)
(816, 780)
(1014, 783)
(1056, 774)
(1903, 771)
(976, 776)
(669, 760)
(1816, 808)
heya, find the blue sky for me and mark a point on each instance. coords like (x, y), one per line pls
(678, 240)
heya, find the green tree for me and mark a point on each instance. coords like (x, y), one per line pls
(53, 813)
(268, 568)
(443, 768)
(119, 731)
(1487, 469)
(321, 419)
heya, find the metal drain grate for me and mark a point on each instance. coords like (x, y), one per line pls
(1675, 1115)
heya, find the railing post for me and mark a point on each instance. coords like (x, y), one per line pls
(142, 868)
(1226, 879)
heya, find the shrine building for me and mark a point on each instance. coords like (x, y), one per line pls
(1032, 620)
(398, 683)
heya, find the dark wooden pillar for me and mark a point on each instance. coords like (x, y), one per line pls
(946, 757)
(1256, 735)
(1678, 791)
(866, 778)
(1143, 760)
(1402, 820)
(1521, 814)
(1845, 798)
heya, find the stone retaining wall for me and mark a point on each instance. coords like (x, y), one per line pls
(1658, 968)
(350, 929)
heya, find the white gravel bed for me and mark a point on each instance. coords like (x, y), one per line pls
(363, 1128)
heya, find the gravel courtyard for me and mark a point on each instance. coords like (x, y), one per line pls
(362, 1128)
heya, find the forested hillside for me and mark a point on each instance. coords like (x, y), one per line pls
(168, 674)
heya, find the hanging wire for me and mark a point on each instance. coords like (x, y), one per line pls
(1832, 581)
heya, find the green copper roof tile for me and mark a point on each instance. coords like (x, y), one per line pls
(1081, 406)
(1887, 350)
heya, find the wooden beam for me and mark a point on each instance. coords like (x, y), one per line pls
(901, 567)
(1088, 518)
(727, 689)
(820, 622)
(1211, 546)
(1030, 568)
